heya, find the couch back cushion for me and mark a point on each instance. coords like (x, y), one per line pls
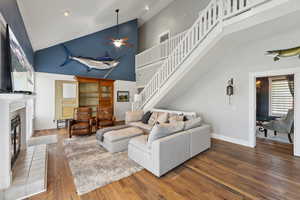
(153, 119)
(175, 118)
(192, 123)
(163, 130)
(162, 117)
(134, 116)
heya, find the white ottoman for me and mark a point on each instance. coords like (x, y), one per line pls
(117, 140)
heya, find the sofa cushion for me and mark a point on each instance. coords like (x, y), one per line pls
(162, 117)
(140, 142)
(193, 123)
(146, 117)
(153, 119)
(141, 125)
(163, 130)
(121, 134)
(134, 116)
(175, 118)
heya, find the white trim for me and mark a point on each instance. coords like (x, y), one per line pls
(252, 103)
(231, 140)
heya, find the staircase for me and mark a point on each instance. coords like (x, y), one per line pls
(207, 30)
(151, 59)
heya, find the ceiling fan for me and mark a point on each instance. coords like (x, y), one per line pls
(119, 42)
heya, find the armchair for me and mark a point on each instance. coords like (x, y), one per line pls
(83, 122)
(105, 117)
(282, 125)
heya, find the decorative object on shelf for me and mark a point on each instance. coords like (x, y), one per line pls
(101, 63)
(123, 96)
(283, 53)
(119, 42)
(230, 89)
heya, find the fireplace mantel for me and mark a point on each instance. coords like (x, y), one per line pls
(10, 105)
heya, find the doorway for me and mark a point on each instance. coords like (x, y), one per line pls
(275, 108)
(271, 101)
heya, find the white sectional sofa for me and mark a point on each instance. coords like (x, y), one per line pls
(168, 152)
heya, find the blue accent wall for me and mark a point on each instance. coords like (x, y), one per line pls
(94, 46)
(11, 13)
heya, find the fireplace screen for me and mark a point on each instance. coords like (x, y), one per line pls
(15, 138)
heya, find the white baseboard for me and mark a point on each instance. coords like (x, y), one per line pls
(232, 140)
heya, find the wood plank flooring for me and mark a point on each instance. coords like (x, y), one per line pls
(226, 171)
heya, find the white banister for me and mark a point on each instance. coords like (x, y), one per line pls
(158, 52)
(177, 50)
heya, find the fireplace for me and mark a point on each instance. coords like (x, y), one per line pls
(15, 138)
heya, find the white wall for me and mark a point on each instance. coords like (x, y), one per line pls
(203, 91)
(121, 107)
(176, 18)
(45, 99)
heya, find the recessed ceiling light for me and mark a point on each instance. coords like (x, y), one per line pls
(66, 13)
(147, 8)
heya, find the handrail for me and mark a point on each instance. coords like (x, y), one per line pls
(213, 15)
(158, 52)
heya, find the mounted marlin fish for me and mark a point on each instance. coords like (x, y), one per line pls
(101, 63)
(284, 53)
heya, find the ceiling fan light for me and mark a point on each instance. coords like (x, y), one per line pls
(117, 43)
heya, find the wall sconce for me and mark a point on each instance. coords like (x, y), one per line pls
(229, 89)
(258, 84)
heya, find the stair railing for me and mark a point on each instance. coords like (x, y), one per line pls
(158, 52)
(215, 13)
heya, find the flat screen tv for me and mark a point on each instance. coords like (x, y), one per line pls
(21, 70)
(5, 65)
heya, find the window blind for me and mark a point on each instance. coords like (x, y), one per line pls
(281, 99)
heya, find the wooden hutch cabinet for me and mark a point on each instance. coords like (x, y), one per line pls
(98, 94)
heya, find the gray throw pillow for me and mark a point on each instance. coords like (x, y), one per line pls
(193, 123)
(163, 130)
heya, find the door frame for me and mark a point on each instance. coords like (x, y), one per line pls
(252, 103)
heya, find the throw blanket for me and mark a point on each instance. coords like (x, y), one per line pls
(101, 132)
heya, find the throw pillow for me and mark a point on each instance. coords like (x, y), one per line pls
(153, 119)
(134, 116)
(146, 117)
(163, 130)
(175, 118)
(193, 123)
(162, 117)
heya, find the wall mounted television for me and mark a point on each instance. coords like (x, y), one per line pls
(16, 73)
(5, 70)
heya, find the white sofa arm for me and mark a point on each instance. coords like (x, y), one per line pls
(133, 116)
(169, 152)
(200, 139)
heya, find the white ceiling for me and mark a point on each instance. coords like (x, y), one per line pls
(47, 26)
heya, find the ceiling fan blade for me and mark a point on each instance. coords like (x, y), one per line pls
(125, 39)
(128, 45)
(111, 38)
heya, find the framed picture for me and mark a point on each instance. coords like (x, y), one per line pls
(123, 96)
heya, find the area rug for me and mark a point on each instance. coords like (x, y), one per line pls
(93, 167)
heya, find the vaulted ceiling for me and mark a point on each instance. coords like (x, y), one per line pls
(52, 22)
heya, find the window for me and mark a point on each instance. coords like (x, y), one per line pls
(281, 99)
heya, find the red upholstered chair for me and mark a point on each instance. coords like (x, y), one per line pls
(83, 122)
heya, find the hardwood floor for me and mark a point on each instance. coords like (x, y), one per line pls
(226, 171)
